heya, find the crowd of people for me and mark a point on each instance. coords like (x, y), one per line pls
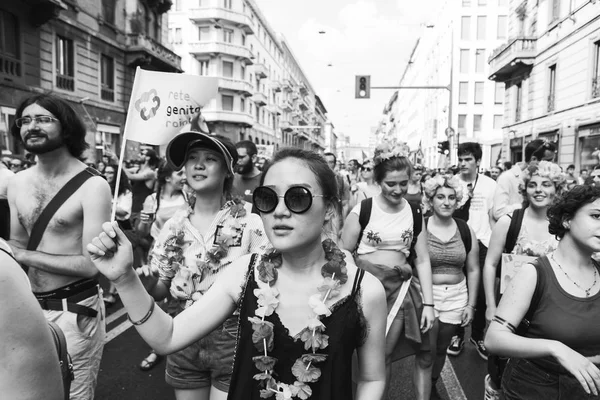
(297, 277)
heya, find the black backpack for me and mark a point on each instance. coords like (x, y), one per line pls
(365, 215)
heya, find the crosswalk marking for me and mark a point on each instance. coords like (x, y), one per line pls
(113, 333)
(450, 380)
(115, 316)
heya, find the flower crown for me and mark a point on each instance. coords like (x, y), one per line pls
(545, 169)
(431, 186)
(386, 151)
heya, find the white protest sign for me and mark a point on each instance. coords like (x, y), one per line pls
(511, 264)
(162, 103)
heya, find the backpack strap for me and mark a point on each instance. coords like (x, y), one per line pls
(365, 215)
(514, 229)
(465, 233)
(57, 201)
(417, 215)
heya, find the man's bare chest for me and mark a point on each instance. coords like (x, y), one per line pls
(34, 198)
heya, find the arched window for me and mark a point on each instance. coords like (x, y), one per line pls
(250, 137)
(262, 141)
(256, 141)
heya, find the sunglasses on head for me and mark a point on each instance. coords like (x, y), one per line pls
(367, 169)
(297, 199)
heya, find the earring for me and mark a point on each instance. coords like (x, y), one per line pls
(566, 225)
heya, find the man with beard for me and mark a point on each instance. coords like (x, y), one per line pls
(59, 268)
(247, 175)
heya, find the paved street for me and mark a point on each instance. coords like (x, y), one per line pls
(121, 379)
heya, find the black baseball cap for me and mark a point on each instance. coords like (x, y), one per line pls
(181, 144)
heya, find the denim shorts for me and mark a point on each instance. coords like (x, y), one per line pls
(525, 380)
(209, 361)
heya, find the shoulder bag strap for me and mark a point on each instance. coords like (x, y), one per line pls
(513, 230)
(465, 233)
(66, 366)
(63, 194)
(365, 215)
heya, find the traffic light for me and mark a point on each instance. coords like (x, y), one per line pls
(363, 86)
(444, 147)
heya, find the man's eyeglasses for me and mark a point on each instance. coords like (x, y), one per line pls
(40, 120)
(297, 199)
(367, 169)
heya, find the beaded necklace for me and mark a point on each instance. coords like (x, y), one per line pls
(313, 335)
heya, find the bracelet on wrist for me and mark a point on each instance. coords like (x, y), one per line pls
(146, 317)
(472, 307)
(427, 305)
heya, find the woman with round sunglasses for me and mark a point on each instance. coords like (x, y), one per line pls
(555, 355)
(303, 307)
(193, 249)
(383, 248)
(368, 187)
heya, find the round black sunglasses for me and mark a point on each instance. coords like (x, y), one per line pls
(297, 199)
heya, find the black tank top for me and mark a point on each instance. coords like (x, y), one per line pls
(346, 327)
(139, 192)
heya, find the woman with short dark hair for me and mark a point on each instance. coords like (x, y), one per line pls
(556, 352)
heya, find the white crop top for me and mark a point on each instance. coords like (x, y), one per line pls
(386, 231)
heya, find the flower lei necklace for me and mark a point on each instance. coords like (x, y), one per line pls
(227, 237)
(335, 275)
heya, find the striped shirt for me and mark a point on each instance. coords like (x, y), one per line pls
(186, 259)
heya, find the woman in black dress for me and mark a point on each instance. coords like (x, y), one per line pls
(304, 306)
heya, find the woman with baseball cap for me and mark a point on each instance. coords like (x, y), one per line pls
(192, 250)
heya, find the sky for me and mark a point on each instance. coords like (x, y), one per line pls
(362, 37)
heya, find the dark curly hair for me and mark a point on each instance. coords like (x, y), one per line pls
(73, 127)
(566, 206)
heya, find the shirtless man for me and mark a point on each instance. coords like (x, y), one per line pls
(60, 270)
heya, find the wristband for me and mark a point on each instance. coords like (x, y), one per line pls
(427, 305)
(146, 317)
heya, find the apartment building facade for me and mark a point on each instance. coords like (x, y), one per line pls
(550, 67)
(264, 95)
(85, 51)
(455, 100)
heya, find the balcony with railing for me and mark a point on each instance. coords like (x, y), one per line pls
(261, 71)
(287, 85)
(235, 117)
(286, 126)
(218, 15)
(303, 87)
(10, 66)
(143, 50)
(260, 99)
(236, 85)
(596, 87)
(107, 93)
(65, 82)
(286, 105)
(513, 57)
(304, 104)
(276, 86)
(215, 48)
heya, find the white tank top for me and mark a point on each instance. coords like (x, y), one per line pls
(386, 231)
